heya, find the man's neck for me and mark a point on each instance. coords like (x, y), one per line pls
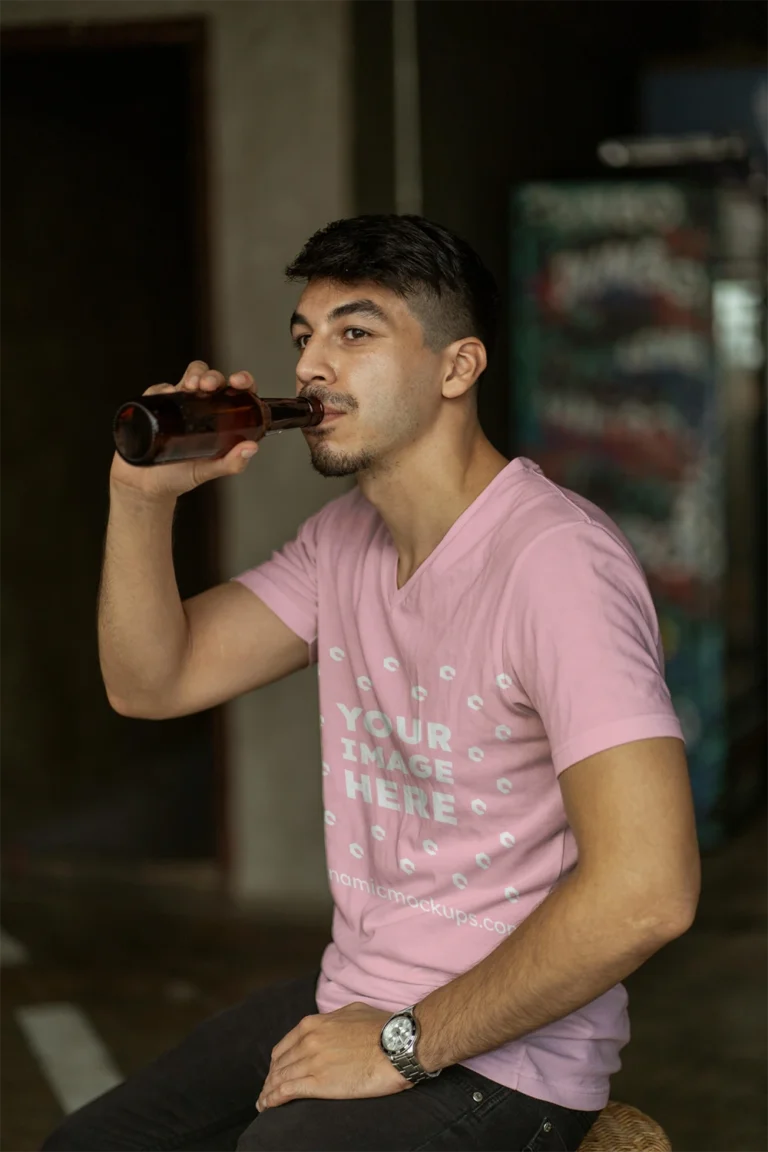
(422, 495)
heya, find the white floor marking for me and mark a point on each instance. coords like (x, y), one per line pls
(73, 1058)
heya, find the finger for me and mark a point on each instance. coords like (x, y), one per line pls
(287, 1065)
(235, 461)
(290, 1040)
(196, 368)
(153, 391)
(243, 380)
(281, 1093)
(212, 380)
(204, 382)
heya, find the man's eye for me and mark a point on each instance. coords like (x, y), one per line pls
(298, 341)
(355, 333)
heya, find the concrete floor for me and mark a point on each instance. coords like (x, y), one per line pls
(146, 963)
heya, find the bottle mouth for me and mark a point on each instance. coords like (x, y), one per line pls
(134, 430)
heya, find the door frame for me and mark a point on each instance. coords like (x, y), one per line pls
(193, 33)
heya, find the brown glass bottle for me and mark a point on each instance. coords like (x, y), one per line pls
(172, 426)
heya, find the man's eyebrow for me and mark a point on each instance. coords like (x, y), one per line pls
(297, 318)
(362, 307)
(359, 308)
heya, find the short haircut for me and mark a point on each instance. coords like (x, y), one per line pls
(441, 278)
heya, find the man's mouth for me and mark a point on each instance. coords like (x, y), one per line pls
(330, 415)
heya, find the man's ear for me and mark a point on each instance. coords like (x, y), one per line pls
(467, 360)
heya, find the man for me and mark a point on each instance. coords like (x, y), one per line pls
(508, 818)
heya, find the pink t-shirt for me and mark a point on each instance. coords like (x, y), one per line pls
(525, 642)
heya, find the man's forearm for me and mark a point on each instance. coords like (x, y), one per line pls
(578, 943)
(142, 628)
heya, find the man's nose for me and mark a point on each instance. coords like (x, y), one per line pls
(313, 367)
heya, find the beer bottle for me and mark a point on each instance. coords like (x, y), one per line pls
(173, 426)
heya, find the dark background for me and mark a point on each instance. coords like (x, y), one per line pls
(103, 238)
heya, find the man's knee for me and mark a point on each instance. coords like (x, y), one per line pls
(68, 1137)
(248, 1141)
(82, 1133)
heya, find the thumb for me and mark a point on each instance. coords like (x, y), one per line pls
(236, 460)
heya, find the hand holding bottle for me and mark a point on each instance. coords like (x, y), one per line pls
(173, 480)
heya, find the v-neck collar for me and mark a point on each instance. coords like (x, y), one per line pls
(397, 595)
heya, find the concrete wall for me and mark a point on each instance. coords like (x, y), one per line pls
(280, 167)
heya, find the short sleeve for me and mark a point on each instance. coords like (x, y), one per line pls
(287, 582)
(583, 640)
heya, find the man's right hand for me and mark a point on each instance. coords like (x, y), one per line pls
(169, 481)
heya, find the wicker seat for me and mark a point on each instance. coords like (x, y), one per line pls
(622, 1128)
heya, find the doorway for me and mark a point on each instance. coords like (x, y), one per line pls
(104, 277)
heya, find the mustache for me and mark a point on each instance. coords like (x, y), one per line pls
(342, 405)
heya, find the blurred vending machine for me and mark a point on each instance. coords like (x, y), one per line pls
(638, 381)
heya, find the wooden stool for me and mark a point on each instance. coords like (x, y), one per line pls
(622, 1128)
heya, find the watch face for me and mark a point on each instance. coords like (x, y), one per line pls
(398, 1033)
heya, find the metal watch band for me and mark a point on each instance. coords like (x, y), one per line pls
(409, 1067)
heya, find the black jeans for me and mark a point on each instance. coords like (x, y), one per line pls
(202, 1096)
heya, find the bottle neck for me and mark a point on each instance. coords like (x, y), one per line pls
(301, 412)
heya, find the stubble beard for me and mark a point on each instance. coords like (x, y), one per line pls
(330, 463)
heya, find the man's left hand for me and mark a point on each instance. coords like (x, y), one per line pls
(332, 1056)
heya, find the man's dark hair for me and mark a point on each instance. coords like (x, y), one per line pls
(441, 278)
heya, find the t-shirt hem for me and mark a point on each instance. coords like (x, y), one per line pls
(612, 735)
(280, 604)
(566, 1095)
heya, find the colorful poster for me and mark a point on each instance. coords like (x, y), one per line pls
(615, 397)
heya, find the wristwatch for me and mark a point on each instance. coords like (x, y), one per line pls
(398, 1040)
